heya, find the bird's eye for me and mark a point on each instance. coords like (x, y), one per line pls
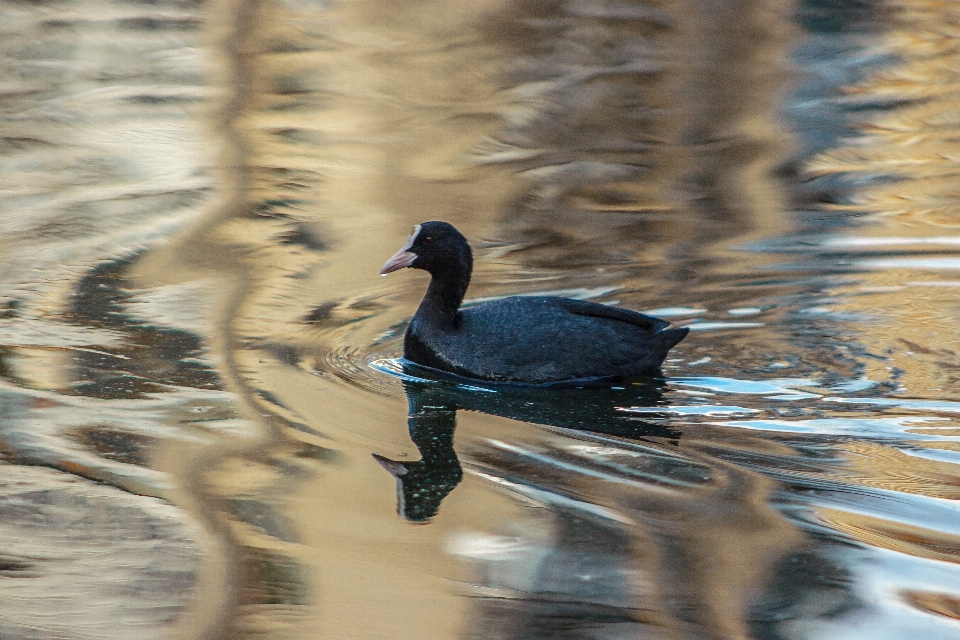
(428, 239)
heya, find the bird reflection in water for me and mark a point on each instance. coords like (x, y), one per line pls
(432, 419)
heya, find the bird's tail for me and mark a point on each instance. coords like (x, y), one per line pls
(670, 337)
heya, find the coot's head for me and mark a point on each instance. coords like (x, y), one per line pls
(436, 247)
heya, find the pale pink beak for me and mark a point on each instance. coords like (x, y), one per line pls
(400, 260)
(403, 258)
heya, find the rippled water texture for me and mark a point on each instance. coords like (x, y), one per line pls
(205, 431)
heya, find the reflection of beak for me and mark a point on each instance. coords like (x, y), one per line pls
(395, 468)
(400, 260)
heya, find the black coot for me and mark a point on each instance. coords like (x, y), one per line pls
(531, 340)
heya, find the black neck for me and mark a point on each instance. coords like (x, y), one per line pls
(449, 278)
(443, 298)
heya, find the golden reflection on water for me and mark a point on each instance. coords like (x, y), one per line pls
(908, 151)
(381, 114)
(207, 191)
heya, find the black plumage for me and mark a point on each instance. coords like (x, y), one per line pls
(522, 339)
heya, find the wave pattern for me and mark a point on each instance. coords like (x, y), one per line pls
(195, 343)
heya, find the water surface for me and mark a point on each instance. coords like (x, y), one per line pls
(204, 427)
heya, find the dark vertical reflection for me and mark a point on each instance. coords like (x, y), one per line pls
(652, 154)
(432, 418)
(683, 542)
(422, 485)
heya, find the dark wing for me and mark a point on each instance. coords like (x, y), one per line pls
(583, 308)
